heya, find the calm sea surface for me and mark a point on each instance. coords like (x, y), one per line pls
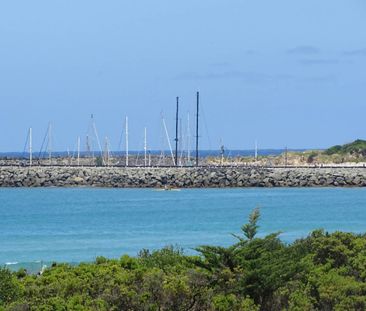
(76, 225)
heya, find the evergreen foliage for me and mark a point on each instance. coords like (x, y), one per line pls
(358, 147)
(250, 229)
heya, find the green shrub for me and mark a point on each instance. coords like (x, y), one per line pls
(320, 272)
(10, 287)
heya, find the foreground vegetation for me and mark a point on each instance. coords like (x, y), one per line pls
(321, 272)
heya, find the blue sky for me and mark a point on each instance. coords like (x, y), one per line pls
(283, 72)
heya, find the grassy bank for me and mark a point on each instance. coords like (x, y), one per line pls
(321, 272)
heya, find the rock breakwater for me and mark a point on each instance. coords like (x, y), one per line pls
(214, 177)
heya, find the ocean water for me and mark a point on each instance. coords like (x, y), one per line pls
(77, 224)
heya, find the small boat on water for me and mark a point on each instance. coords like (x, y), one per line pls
(166, 188)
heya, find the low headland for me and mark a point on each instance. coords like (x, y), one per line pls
(350, 154)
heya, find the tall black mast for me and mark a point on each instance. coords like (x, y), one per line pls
(198, 104)
(176, 132)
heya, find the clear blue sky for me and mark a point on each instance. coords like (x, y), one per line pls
(283, 72)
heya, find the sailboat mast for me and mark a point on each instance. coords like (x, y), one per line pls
(188, 140)
(49, 144)
(180, 142)
(176, 132)
(78, 151)
(126, 141)
(198, 103)
(30, 146)
(168, 139)
(108, 152)
(145, 147)
(97, 138)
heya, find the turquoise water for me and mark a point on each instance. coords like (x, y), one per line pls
(76, 225)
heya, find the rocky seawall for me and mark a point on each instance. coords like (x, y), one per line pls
(181, 177)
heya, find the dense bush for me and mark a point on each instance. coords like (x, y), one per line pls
(321, 272)
(357, 147)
